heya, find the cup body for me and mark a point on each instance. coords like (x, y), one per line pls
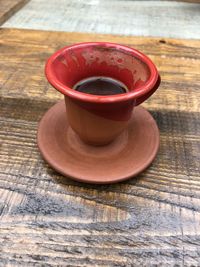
(98, 124)
(100, 119)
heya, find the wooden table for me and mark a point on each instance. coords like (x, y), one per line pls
(140, 18)
(49, 220)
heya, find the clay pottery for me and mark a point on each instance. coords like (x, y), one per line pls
(98, 120)
(95, 138)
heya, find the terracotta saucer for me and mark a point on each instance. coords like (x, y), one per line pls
(128, 155)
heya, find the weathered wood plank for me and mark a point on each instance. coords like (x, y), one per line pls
(10, 7)
(47, 219)
(143, 18)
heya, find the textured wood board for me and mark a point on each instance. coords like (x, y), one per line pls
(143, 18)
(10, 7)
(46, 219)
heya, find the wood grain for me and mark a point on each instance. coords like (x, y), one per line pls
(49, 220)
(140, 18)
(10, 7)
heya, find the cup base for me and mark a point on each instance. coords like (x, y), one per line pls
(128, 155)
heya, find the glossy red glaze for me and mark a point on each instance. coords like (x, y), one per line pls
(73, 63)
(68, 66)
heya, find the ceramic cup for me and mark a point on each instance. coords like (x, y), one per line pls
(100, 119)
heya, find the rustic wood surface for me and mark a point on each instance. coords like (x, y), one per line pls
(9, 7)
(141, 18)
(49, 220)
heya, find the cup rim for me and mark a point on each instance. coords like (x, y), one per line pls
(64, 89)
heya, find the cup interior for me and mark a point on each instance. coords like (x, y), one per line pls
(82, 61)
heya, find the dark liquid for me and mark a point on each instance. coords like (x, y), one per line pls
(101, 86)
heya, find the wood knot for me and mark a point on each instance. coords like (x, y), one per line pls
(162, 41)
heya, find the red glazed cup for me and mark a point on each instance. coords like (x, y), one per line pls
(100, 119)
